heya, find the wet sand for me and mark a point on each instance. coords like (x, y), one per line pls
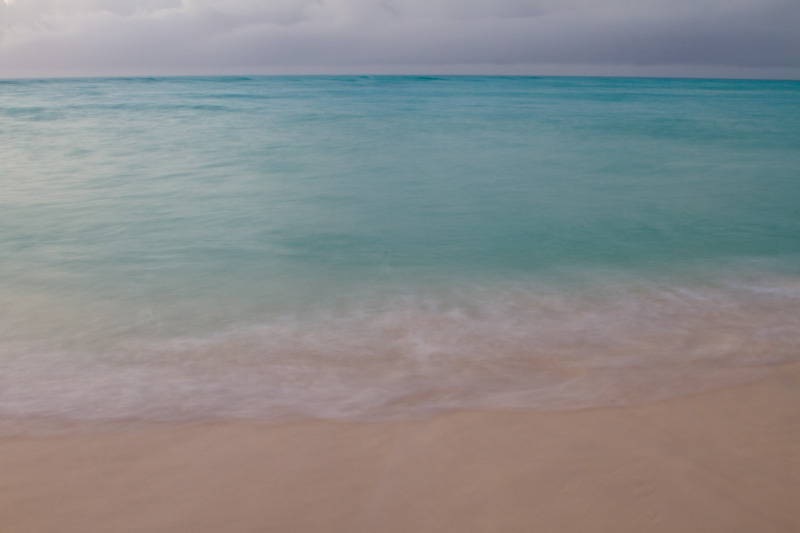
(724, 461)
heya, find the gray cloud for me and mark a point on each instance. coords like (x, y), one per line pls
(669, 37)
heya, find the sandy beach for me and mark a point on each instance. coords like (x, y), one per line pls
(727, 460)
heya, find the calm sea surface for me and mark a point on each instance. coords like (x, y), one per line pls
(382, 247)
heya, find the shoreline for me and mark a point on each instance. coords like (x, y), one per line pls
(725, 460)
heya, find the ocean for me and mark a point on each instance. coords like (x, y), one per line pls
(373, 248)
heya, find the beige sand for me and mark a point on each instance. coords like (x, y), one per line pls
(722, 461)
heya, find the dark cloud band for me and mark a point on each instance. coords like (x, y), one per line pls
(41, 37)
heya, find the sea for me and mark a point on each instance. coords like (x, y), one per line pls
(183, 249)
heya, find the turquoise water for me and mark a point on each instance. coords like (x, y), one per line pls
(373, 247)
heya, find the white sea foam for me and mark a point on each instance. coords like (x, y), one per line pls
(391, 357)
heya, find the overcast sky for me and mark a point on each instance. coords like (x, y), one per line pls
(714, 38)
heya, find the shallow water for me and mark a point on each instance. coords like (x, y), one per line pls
(372, 247)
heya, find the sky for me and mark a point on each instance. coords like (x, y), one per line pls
(693, 38)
